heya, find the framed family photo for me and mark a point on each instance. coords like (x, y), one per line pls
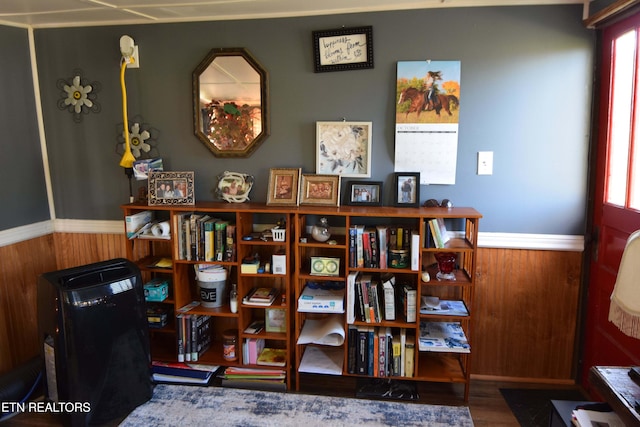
(406, 191)
(320, 190)
(343, 49)
(368, 193)
(171, 188)
(343, 148)
(283, 186)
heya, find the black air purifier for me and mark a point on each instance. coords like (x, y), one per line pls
(95, 340)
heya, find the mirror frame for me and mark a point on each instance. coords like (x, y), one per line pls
(264, 95)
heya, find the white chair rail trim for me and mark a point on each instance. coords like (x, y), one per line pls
(551, 242)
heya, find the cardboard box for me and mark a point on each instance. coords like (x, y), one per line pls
(279, 264)
(318, 300)
(136, 221)
(157, 290)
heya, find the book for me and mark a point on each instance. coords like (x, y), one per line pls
(435, 233)
(388, 282)
(272, 357)
(254, 347)
(254, 327)
(443, 337)
(409, 354)
(444, 234)
(415, 250)
(382, 246)
(220, 239)
(408, 297)
(230, 245)
(351, 296)
(180, 374)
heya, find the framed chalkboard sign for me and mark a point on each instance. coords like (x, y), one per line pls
(343, 49)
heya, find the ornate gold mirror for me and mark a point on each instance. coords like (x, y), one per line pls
(230, 99)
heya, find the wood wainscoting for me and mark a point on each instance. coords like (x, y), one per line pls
(526, 314)
(526, 304)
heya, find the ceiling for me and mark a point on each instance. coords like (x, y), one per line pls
(76, 13)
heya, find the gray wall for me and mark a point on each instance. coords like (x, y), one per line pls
(23, 189)
(526, 91)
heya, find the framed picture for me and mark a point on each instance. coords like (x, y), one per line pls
(283, 186)
(364, 193)
(343, 148)
(406, 191)
(171, 188)
(323, 190)
(343, 49)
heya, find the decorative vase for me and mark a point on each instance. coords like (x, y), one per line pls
(446, 265)
(320, 232)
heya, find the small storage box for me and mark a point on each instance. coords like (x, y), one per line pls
(157, 290)
(279, 234)
(158, 317)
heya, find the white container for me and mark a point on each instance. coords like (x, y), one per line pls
(212, 285)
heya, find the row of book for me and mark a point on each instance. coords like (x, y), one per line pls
(202, 237)
(373, 298)
(436, 234)
(193, 336)
(380, 351)
(369, 247)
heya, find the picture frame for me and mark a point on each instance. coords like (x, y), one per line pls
(363, 193)
(180, 184)
(283, 186)
(319, 190)
(343, 148)
(406, 190)
(343, 49)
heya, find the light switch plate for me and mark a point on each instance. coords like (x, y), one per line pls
(485, 162)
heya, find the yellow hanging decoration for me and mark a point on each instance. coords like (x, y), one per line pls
(127, 158)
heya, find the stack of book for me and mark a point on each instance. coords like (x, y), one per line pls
(254, 378)
(182, 373)
(260, 296)
(443, 337)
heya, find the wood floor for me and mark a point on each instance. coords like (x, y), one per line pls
(487, 407)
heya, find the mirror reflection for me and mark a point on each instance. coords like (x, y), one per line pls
(230, 102)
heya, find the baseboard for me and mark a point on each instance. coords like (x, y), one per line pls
(498, 378)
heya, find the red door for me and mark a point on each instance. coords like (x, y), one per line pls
(617, 192)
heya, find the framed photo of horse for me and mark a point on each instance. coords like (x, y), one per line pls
(343, 49)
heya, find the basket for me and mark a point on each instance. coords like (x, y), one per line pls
(278, 234)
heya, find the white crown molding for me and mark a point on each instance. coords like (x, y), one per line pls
(550, 242)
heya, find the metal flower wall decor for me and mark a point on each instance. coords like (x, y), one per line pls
(142, 137)
(78, 96)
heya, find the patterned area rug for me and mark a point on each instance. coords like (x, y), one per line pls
(176, 405)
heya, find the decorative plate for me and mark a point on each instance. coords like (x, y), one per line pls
(234, 187)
